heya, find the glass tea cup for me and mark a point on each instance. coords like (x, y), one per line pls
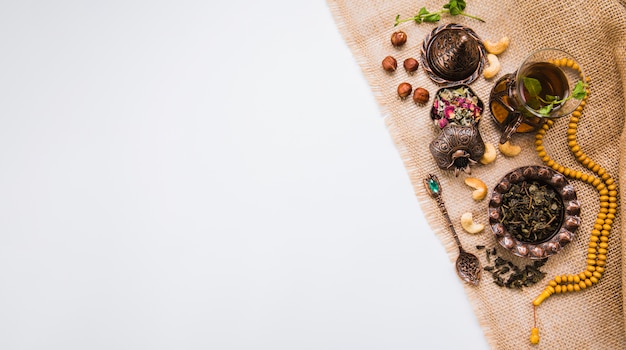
(548, 84)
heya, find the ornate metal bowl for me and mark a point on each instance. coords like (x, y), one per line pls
(569, 221)
(461, 113)
(453, 54)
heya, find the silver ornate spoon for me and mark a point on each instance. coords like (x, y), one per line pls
(467, 264)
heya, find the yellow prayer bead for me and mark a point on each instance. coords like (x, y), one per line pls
(601, 262)
(557, 279)
(605, 233)
(597, 274)
(588, 282)
(584, 177)
(595, 182)
(570, 278)
(552, 283)
(590, 269)
(606, 227)
(570, 137)
(591, 257)
(602, 251)
(557, 289)
(550, 163)
(601, 216)
(601, 171)
(612, 210)
(597, 227)
(577, 287)
(601, 257)
(582, 285)
(574, 147)
(613, 193)
(604, 245)
(600, 221)
(604, 239)
(595, 168)
(576, 114)
(611, 187)
(591, 250)
(576, 278)
(570, 288)
(593, 279)
(600, 269)
(609, 182)
(591, 262)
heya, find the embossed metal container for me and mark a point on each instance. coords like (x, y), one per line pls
(453, 54)
(569, 222)
(457, 147)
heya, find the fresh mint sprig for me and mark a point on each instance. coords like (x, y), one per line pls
(453, 7)
(533, 86)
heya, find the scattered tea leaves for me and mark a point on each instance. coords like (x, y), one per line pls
(506, 274)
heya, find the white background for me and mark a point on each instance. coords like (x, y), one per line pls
(203, 175)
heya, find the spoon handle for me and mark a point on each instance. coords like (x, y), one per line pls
(433, 187)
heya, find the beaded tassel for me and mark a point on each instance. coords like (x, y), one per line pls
(598, 243)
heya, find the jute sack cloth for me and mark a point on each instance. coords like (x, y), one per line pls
(595, 33)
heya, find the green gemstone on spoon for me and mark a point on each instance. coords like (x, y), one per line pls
(433, 186)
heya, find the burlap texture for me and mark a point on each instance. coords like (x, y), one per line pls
(595, 33)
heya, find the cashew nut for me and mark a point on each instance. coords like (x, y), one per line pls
(489, 155)
(480, 189)
(509, 150)
(468, 224)
(497, 48)
(494, 66)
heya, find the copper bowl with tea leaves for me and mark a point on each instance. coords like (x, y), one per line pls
(534, 212)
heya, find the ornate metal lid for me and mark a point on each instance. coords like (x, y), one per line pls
(453, 54)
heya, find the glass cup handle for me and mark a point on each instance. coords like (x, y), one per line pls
(511, 128)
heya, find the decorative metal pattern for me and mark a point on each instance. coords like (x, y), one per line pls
(467, 264)
(570, 221)
(453, 54)
(457, 146)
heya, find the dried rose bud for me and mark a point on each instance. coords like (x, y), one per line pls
(411, 64)
(404, 90)
(390, 64)
(398, 38)
(421, 96)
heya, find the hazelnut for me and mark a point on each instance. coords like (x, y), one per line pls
(411, 64)
(421, 96)
(390, 64)
(404, 90)
(398, 38)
